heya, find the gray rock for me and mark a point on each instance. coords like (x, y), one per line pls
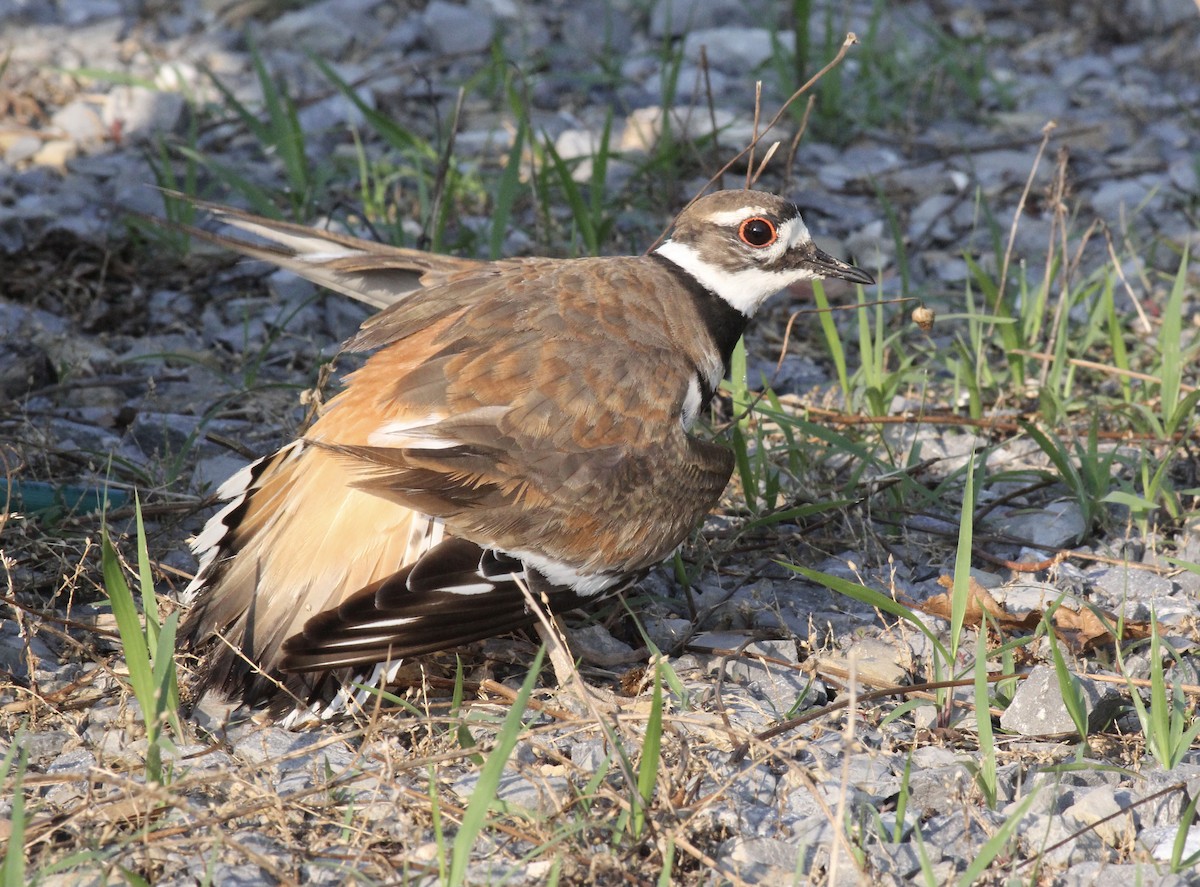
(595, 644)
(734, 50)
(79, 762)
(544, 794)
(76, 14)
(21, 149)
(1037, 708)
(589, 755)
(957, 836)
(24, 367)
(593, 29)
(761, 860)
(1160, 841)
(1094, 808)
(1057, 525)
(212, 471)
(164, 434)
(42, 745)
(667, 633)
(1094, 873)
(782, 688)
(930, 222)
(1039, 833)
(142, 114)
(454, 29)
(674, 18)
(928, 788)
(80, 122)
(326, 28)
(1116, 201)
(997, 170)
(1120, 584)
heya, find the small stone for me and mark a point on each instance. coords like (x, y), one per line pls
(874, 660)
(1044, 832)
(1117, 201)
(1095, 873)
(1058, 525)
(667, 633)
(142, 114)
(21, 149)
(79, 762)
(544, 794)
(1095, 809)
(325, 28)
(761, 860)
(735, 50)
(929, 221)
(80, 123)
(24, 367)
(595, 644)
(1038, 709)
(578, 144)
(76, 14)
(164, 434)
(872, 246)
(452, 29)
(1160, 841)
(56, 153)
(1121, 583)
(674, 18)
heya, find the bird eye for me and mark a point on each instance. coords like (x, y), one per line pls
(758, 232)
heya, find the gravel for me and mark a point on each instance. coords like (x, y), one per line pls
(115, 351)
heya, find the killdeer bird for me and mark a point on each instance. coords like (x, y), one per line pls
(524, 421)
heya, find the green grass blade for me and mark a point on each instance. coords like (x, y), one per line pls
(833, 340)
(489, 777)
(396, 136)
(648, 766)
(506, 192)
(133, 639)
(961, 590)
(1170, 332)
(145, 579)
(12, 870)
(983, 720)
(871, 598)
(996, 843)
(1068, 684)
(580, 212)
(166, 678)
(1178, 863)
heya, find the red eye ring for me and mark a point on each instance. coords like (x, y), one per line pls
(758, 232)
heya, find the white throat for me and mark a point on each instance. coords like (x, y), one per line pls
(747, 288)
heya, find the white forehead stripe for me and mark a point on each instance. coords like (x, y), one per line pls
(736, 216)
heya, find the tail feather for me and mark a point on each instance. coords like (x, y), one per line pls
(435, 604)
(280, 553)
(364, 270)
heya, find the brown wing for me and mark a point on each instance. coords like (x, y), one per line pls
(526, 387)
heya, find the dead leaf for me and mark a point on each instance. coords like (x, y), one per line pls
(1082, 630)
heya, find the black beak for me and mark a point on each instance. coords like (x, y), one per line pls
(826, 265)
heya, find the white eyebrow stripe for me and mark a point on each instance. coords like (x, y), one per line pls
(734, 216)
